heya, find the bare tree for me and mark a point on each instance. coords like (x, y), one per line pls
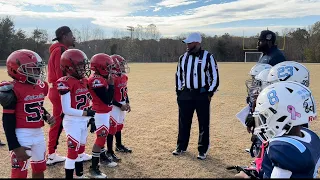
(85, 33)
(76, 33)
(97, 33)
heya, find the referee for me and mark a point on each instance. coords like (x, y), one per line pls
(197, 79)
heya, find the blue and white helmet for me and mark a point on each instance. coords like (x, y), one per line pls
(281, 106)
(256, 69)
(262, 79)
(289, 71)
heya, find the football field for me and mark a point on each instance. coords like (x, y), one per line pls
(151, 127)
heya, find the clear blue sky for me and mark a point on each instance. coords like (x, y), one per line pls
(172, 17)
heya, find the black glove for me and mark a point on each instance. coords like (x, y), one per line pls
(250, 121)
(93, 127)
(90, 112)
(248, 100)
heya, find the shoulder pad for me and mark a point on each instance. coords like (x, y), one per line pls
(282, 150)
(290, 141)
(6, 86)
(7, 98)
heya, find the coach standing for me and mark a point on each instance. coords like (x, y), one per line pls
(197, 79)
(271, 53)
(65, 39)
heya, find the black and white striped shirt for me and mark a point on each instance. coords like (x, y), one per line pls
(195, 72)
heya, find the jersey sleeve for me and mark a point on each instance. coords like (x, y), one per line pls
(289, 156)
(95, 82)
(46, 88)
(64, 85)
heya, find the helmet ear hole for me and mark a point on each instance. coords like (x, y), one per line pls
(282, 119)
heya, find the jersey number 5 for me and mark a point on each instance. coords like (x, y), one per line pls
(34, 111)
(123, 92)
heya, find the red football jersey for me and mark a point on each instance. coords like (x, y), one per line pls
(120, 87)
(80, 95)
(96, 81)
(29, 105)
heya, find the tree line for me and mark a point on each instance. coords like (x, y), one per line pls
(145, 44)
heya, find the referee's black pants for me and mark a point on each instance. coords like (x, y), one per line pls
(188, 101)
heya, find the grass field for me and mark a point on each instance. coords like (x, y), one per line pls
(151, 127)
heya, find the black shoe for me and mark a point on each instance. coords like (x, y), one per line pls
(202, 156)
(96, 173)
(178, 152)
(108, 161)
(114, 157)
(123, 149)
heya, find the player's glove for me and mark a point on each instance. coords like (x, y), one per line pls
(90, 112)
(92, 125)
(250, 171)
(250, 121)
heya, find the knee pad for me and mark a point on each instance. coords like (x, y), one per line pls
(119, 127)
(73, 147)
(101, 136)
(19, 168)
(113, 126)
(38, 167)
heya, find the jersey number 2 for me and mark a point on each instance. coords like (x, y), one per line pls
(123, 92)
(34, 111)
(82, 100)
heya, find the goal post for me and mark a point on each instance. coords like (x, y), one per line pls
(250, 56)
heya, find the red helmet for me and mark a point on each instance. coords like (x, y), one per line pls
(123, 65)
(102, 64)
(75, 63)
(26, 66)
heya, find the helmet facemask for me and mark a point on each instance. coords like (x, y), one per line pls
(106, 72)
(266, 128)
(34, 71)
(124, 68)
(82, 69)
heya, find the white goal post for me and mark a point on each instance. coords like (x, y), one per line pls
(256, 57)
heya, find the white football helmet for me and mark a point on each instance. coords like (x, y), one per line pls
(256, 69)
(281, 106)
(262, 79)
(289, 71)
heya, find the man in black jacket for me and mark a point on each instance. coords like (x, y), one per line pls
(271, 53)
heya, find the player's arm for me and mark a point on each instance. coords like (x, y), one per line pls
(179, 77)
(116, 103)
(8, 101)
(214, 75)
(105, 94)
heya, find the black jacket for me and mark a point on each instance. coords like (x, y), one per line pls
(272, 57)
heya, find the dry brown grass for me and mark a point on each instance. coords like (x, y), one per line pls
(151, 128)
